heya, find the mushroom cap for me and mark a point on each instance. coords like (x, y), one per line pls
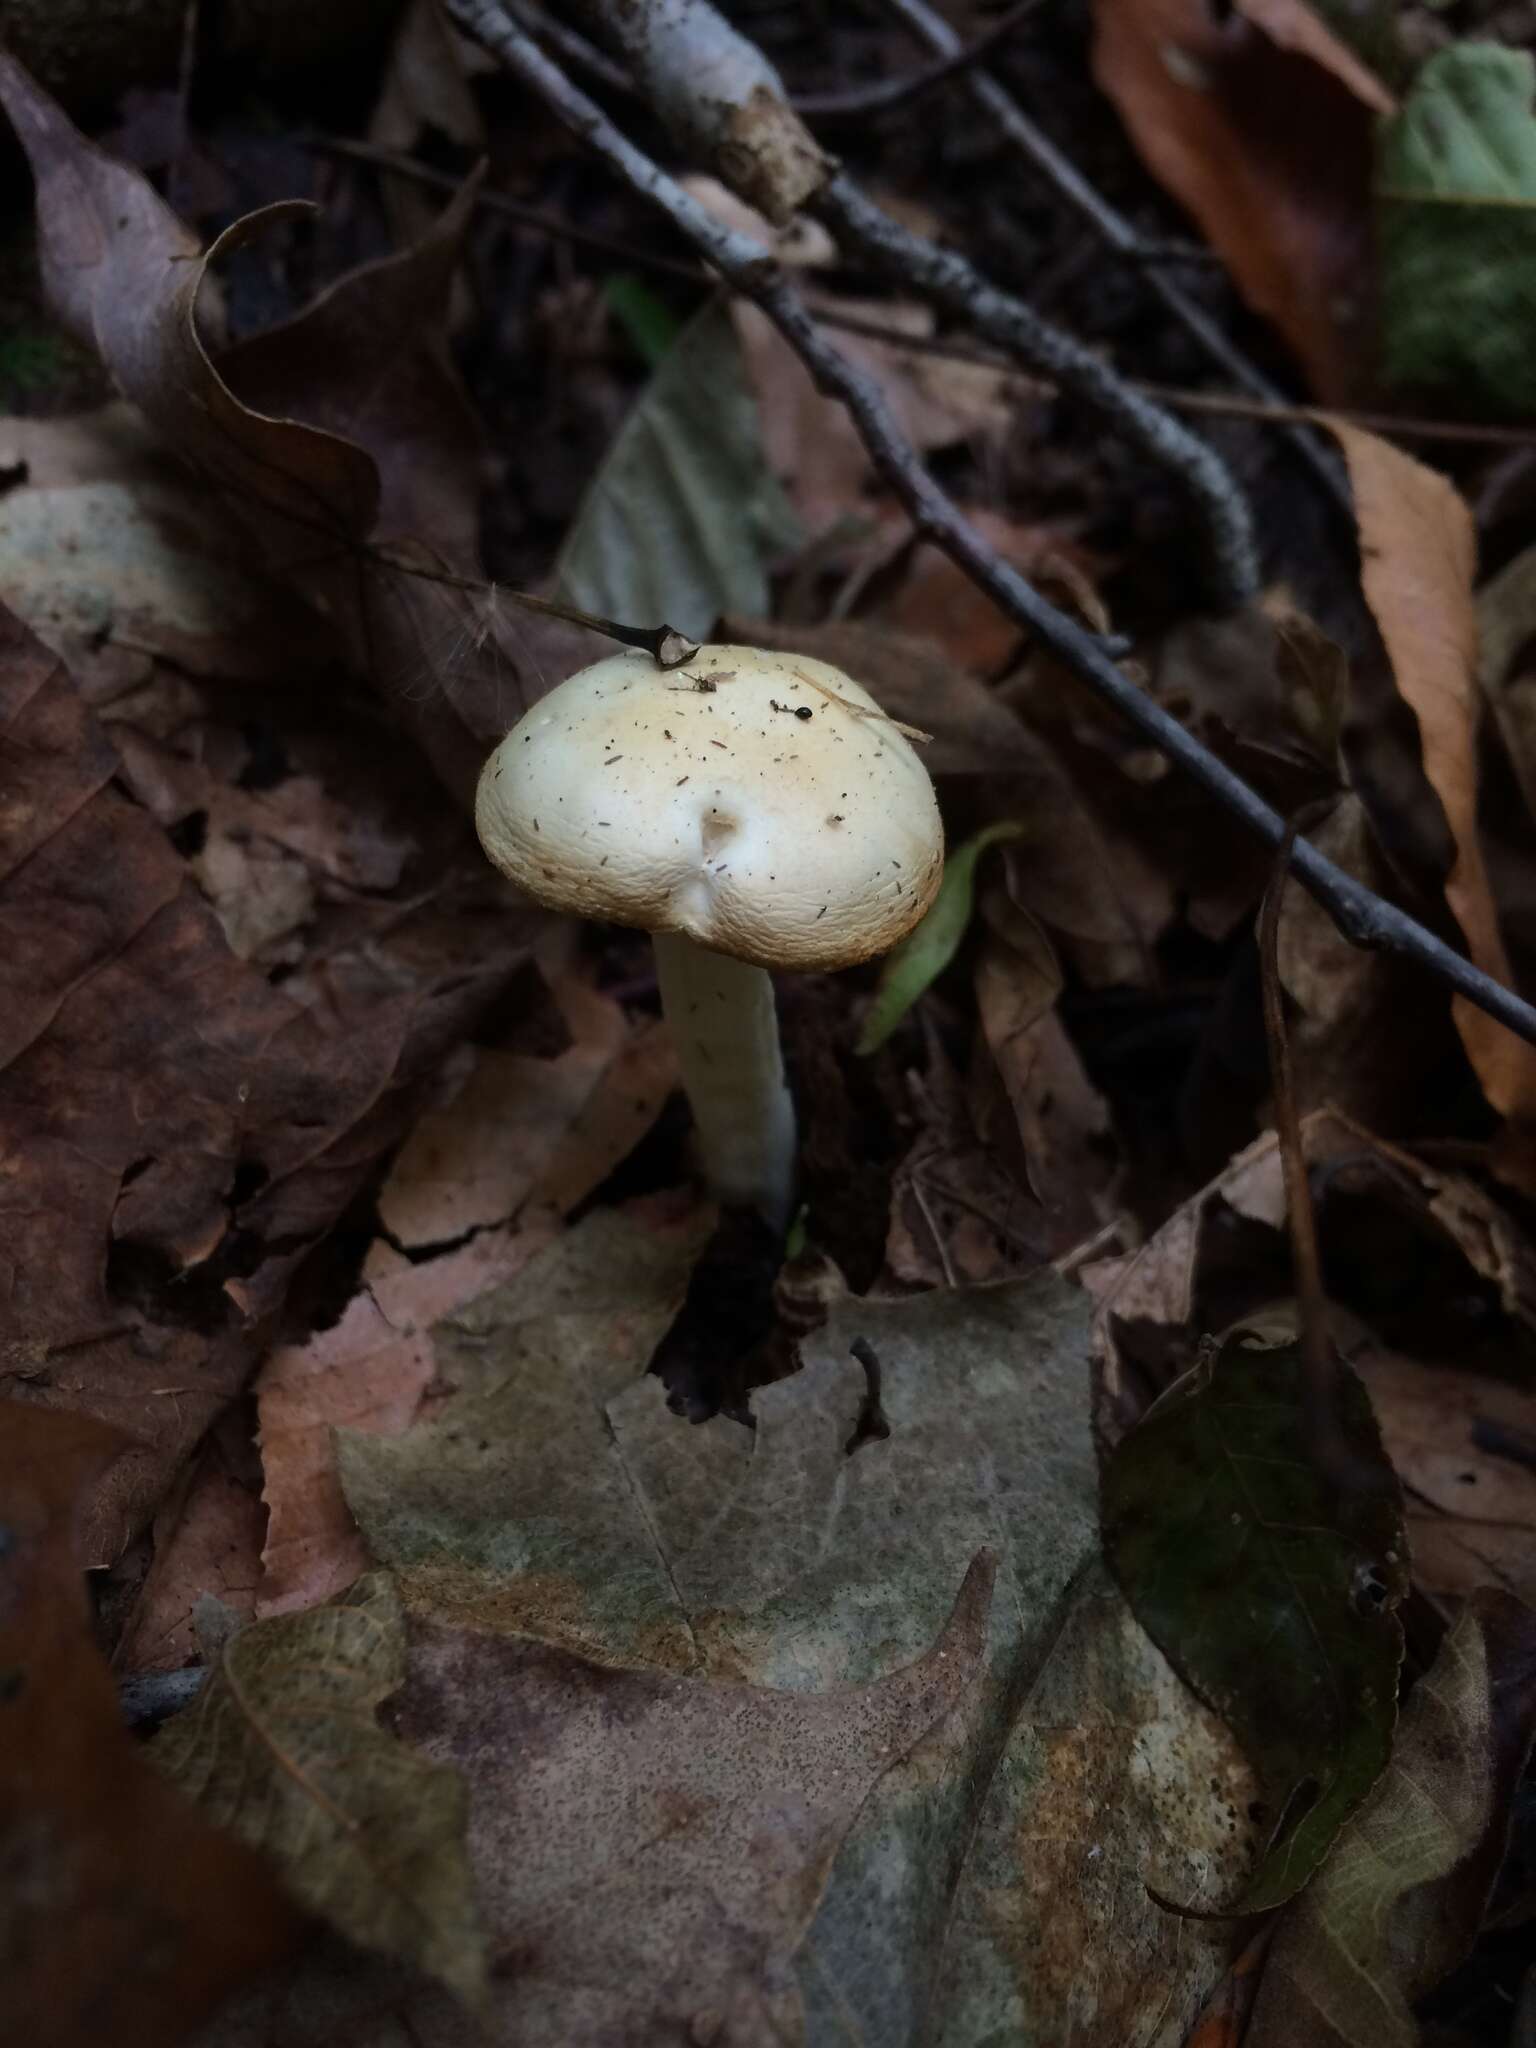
(761, 804)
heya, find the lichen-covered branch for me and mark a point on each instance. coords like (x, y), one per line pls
(1363, 917)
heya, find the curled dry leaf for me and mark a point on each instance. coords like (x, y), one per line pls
(1261, 124)
(282, 1748)
(1418, 558)
(118, 1897)
(1400, 1901)
(268, 429)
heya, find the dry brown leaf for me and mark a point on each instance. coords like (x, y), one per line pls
(1060, 1120)
(121, 1906)
(812, 446)
(1418, 561)
(207, 1540)
(1350, 1051)
(370, 1371)
(525, 1133)
(1463, 1444)
(271, 429)
(1270, 150)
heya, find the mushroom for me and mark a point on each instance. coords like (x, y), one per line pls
(750, 810)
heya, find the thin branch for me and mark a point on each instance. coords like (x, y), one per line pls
(1116, 231)
(1364, 918)
(952, 282)
(719, 96)
(857, 101)
(852, 103)
(1280, 412)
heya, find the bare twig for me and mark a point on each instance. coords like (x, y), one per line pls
(1346, 1473)
(949, 279)
(879, 98)
(1116, 231)
(1364, 918)
(718, 94)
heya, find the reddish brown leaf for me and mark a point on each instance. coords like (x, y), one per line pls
(1268, 147)
(123, 1915)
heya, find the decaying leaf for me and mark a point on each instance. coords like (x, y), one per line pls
(1401, 1899)
(1417, 565)
(651, 1848)
(121, 1906)
(1273, 1590)
(684, 517)
(1456, 191)
(1270, 150)
(281, 1748)
(555, 1495)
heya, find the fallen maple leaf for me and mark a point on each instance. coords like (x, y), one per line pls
(555, 1495)
(121, 1907)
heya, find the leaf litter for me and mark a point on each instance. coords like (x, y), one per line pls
(711, 1681)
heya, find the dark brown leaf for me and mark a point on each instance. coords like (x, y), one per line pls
(123, 1914)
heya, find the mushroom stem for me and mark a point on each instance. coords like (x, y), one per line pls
(726, 1030)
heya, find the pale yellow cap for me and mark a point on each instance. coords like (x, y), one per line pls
(761, 804)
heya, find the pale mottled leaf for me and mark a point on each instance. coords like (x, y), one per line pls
(1400, 1901)
(282, 1748)
(684, 518)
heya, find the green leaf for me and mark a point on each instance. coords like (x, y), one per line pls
(648, 321)
(928, 948)
(1456, 193)
(684, 516)
(1272, 1593)
(282, 1748)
